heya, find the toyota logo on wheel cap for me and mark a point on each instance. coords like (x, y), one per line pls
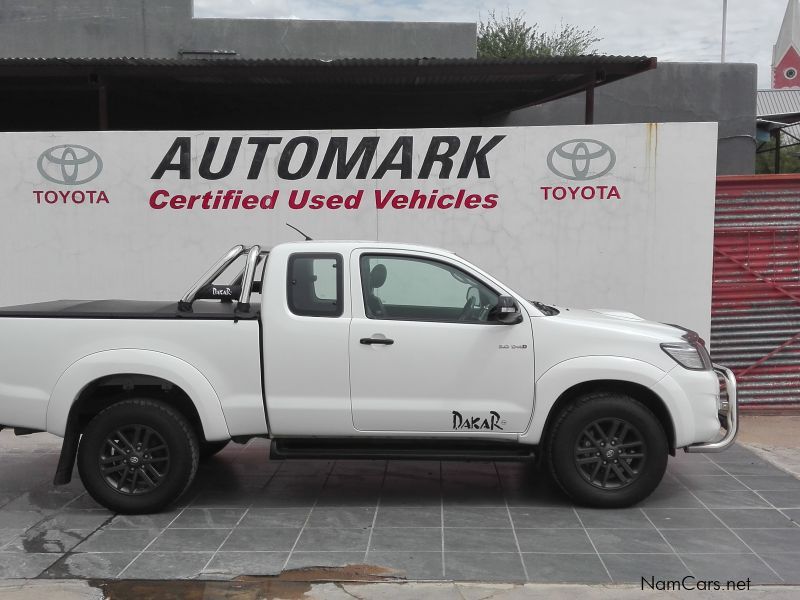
(69, 164)
(581, 159)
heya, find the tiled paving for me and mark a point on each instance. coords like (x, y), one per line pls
(726, 516)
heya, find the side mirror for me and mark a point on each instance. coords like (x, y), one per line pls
(506, 311)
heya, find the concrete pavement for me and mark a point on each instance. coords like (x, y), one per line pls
(773, 438)
(288, 590)
(776, 438)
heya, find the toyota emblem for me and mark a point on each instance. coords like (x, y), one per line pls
(581, 159)
(69, 164)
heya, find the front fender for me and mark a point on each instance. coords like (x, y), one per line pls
(140, 362)
(564, 375)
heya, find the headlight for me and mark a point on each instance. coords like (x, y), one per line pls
(689, 355)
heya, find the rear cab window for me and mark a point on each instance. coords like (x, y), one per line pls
(314, 286)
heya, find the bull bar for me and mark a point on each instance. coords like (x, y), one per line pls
(729, 414)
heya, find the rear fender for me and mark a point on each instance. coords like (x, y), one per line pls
(141, 362)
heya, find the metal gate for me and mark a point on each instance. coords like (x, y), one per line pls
(755, 307)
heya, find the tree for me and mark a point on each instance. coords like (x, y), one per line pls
(790, 158)
(512, 37)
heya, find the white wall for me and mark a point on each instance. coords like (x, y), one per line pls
(648, 251)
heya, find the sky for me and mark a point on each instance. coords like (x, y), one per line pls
(671, 30)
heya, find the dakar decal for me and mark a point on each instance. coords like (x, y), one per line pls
(490, 423)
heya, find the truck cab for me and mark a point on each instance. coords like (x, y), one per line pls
(401, 341)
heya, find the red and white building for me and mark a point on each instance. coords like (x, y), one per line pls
(786, 52)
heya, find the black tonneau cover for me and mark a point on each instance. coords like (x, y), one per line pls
(128, 309)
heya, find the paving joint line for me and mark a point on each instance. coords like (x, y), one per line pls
(244, 514)
(511, 520)
(549, 553)
(125, 568)
(663, 537)
(738, 537)
(591, 541)
(51, 516)
(64, 555)
(210, 560)
(757, 493)
(377, 508)
(441, 514)
(308, 517)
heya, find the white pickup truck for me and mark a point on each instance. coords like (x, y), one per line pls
(357, 350)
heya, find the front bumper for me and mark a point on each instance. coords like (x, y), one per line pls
(730, 415)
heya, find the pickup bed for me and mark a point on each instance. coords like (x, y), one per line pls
(357, 349)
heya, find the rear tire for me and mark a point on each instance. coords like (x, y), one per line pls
(137, 456)
(607, 450)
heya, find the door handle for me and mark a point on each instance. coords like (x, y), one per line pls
(382, 341)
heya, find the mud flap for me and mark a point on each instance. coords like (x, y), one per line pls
(69, 450)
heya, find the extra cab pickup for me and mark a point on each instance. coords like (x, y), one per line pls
(357, 350)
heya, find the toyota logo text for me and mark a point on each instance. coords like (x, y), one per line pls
(581, 159)
(69, 164)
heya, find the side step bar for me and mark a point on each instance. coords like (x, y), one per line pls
(408, 449)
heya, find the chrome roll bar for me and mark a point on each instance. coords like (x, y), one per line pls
(247, 280)
(246, 276)
(731, 416)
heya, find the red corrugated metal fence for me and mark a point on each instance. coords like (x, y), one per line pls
(755, 310)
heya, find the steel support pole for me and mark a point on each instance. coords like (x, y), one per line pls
(102, 107)
(724, 28)
(589, 114)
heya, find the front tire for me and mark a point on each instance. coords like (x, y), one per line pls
(137, 456)
(607, 450)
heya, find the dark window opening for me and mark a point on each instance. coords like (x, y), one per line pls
(314, 285)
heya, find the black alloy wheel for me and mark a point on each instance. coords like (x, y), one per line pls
(134, 459)
(610, 453)
(137, 456)
(607, 449)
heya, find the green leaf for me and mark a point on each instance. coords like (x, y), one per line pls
(512, 37)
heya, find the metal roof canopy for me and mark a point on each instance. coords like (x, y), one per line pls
(777, 118)
(225, 93)
(776, 104)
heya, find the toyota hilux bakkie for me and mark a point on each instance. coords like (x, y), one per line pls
(357, 350)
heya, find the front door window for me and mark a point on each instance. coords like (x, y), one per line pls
(410, 288)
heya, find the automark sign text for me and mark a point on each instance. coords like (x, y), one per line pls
(301, 156)
(306, 198)
(305, 156)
